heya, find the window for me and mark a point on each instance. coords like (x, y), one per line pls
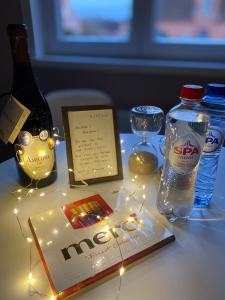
(95, 20)
(196, 21)
(156, 29)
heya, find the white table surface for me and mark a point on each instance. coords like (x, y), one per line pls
(192, 267)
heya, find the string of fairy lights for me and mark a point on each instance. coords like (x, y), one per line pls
(28, 191)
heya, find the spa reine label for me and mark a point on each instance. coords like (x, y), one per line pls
(36, 154)
(185, 154)
(213, 140)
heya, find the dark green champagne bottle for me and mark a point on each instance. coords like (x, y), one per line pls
(35, 146)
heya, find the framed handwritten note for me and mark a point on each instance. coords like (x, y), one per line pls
(92, 143)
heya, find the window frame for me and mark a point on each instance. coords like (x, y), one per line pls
(56, 45)
(142, 44)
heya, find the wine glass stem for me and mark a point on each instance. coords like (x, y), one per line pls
(144, 139)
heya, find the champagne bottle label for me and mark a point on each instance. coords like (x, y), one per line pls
(36, 154)
(185, 154)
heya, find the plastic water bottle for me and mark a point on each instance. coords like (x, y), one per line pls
(214, 102)
(186, 127)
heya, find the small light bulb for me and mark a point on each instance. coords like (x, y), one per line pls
(21, 163)
(55, 134)
(19, 190)
(15, 211)
(122, 270)
(57, 142)
(83, 214)
(34, 172)
(123, 151)
(47, 173)
(64, 194)
(42, 194)
(143, 186)
(130, 219)
(19, 198)
(70, 170)
(31, 191)
(29, 240)
(55, 231)
(144, 196)
(98, 217)
(42, 153)
(121, 141)
(30, 276)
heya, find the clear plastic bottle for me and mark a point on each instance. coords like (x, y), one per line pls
(214, 103)
(186, 127)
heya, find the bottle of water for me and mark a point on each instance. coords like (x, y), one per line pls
(214, 102)
(186, 127)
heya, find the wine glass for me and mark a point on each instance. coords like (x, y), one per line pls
(146, 121)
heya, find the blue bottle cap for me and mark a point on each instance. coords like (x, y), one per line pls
(215, 96)
(215, 90)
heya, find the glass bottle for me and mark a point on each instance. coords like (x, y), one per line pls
(34, 146)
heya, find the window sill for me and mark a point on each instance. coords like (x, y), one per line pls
(164, 67)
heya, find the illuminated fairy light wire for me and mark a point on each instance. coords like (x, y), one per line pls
(31, 192)
(28, 193)
(33, 290)
(31, 279)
